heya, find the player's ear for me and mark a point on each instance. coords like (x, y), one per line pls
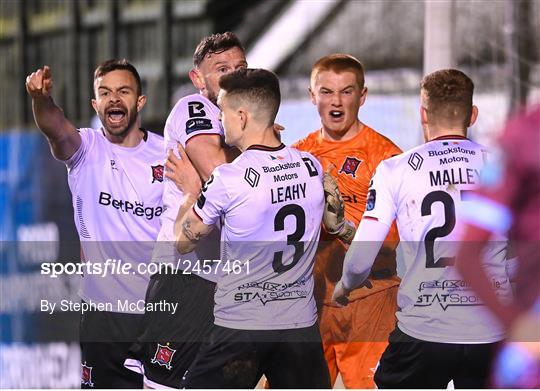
(474, 115)
(141, 101)
(243, 115)
(363, 96)
(196, 78)
(423, 115)
(311, 96)
(94, 105)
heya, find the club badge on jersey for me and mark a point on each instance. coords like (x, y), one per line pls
(350, 166)
(163, 356)
(157, 173)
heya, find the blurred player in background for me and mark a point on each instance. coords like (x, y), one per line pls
(169, 342)
(442, 333)
(510, 201)
(115, 177)
(353, 337)
(271, 200)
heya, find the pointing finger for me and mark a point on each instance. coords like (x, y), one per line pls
(47, 72)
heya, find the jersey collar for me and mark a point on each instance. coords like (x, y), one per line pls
(450, 137)
(258, 147)
(144, 131)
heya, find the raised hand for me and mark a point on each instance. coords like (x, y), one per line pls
(39, 83)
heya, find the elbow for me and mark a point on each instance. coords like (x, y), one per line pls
(183, 246)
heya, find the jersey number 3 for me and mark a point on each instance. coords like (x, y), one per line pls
(293, 239)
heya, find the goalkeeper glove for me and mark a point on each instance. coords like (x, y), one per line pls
(334, 211)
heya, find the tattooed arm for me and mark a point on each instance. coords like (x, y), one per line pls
(188, 227)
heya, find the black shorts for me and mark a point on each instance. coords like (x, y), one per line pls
(238, 358)
(408, 362)
(106, 338)
(169, 342)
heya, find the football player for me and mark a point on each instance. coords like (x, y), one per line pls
(442, 333)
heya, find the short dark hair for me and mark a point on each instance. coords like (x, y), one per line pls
(339, 62)
(448, 96)
(255, 86)
(115, 64)
(215, 43)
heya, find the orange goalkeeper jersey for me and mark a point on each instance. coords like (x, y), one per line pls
(352, 163)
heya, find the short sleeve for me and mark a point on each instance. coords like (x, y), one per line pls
(380, 203)
(213, 200)
(313, 165)
(192, 116)
(87, 139)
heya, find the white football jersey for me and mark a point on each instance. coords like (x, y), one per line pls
(271, 202)
(423, 188)
(192, 116)
(117, 200)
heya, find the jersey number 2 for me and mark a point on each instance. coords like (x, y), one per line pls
(293, 239)
(439, 232)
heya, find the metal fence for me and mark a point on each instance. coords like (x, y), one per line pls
(73, 37)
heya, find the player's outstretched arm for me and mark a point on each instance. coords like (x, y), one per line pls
(61, 134)
(334, 211)
(360, 258)
(469, 265)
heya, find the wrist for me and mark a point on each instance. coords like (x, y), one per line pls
(346, 285)
(345, 232)
(43, 99)
(337, 230)
(190, 198)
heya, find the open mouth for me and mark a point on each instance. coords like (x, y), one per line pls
(336, 114)
(116, 115)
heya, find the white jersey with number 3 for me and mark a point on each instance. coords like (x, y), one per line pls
(423, 188)
(271, 201)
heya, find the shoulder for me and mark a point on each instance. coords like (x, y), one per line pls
(227, 171)
(413, 157)
(155, 140)
(90, 136)
(192, 106)
(305, 155)
(192, 115)
(225, 178)
(88, 132)
(307, 142)
(382, 144)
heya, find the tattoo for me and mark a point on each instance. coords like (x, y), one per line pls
(193, 237)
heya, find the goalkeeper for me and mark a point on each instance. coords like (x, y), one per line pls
(353, 337)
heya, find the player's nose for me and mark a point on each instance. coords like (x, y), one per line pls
(336, 100)
(114, 98)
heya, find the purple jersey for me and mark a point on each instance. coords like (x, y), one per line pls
(511, 198)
